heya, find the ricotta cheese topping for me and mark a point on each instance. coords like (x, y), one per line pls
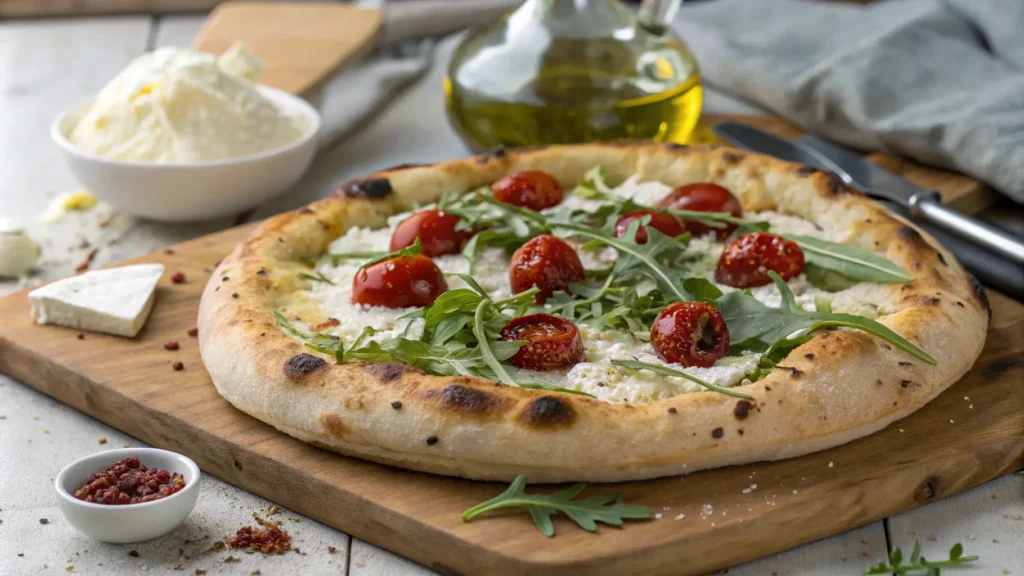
(595, 376)
(175, 105)
(115, 301)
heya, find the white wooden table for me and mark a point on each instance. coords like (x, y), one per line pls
(47, 65)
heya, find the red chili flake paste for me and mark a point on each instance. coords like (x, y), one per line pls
(129, 482)
(178, 277)
(171, 345)
(268, 538)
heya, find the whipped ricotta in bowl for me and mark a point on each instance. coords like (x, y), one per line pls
(181, 106)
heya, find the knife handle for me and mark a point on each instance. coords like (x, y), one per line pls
(992, 270)
(928, 206)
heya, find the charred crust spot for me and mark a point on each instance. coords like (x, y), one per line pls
(878, 381)
(741, 410)
(927, 490)
(834, 183)
(261, 272)
(225, 279)
(405, 166)
(388, 371)
(307, 210)
(739, 431)
(431, 440)
(941, 258)
(368, 188)
(397, 404)
(809, 356)
(498, 152)
(805, 171)
(672, 410)
(904, 363)
(235, 295)
(767, 387)
(793, 372)
(979, 292)
(960, 304)
(548, 412)
(333, 424)
(909, 234)
(925, 300)
(302, 365)
(730, 158)
(885, 345)
(467, 399)
(677, 146)
(717, 433)
(905, 383)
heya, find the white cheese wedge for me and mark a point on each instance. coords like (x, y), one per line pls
(115, 301)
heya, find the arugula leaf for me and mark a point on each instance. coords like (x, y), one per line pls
(290, 328)
(702, 289)
(755, 326)
(666, 371)
(553, 388)
(650, 255)
(327, 344)
(318, 277)
(850, 261)
(586, 513)
(469, 281)
(411, 250)
(751, 226)
(918, 564)
(485, 346)
(825, 279)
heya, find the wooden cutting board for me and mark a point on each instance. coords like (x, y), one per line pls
(948, 446)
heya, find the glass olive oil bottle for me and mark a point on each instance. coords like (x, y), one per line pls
(569, 71)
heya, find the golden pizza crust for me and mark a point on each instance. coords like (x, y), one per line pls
(838, 387)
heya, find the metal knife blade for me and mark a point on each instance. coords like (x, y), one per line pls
(750, 138)
(875, 180)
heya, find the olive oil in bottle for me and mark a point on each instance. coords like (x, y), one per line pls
(568, 71)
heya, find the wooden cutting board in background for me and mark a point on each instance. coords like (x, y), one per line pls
(129, 384)
(300, 44)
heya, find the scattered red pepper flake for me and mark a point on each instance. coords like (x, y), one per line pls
(127, 481)
(178, 277)
(171, 345)
(80, 336)
(269, 538)
(44, 520)
(331, 549)
(178, 366)
(193, 331)
(133, 553)
(169, 251)
(329, 323)
(87, 262)
(103, 440)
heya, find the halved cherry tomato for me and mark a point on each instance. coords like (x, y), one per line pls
(553, 342)
(547, 262)
(399, 283)
(691, 334)
(531, 189)
(667, 224)
(436, 231)
(704, 197)
(748, 259)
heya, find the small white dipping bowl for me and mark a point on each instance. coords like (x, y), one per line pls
(121, 524)
(184, 191)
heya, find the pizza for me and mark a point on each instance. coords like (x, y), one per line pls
(601, 312)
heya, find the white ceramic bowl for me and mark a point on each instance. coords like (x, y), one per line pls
(122, 524)
(193, 190)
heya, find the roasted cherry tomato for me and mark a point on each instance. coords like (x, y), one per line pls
(399, 283)
(667, 224)
(531, 189)
(547, 262)
(436, 231)
(748, 259)
(704, 198)
(691, 334)
(553, 342)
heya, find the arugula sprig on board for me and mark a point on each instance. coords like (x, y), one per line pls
(586, 513)
(917, 563)
(757, 326)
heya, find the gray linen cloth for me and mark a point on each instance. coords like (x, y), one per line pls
(941, 81)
